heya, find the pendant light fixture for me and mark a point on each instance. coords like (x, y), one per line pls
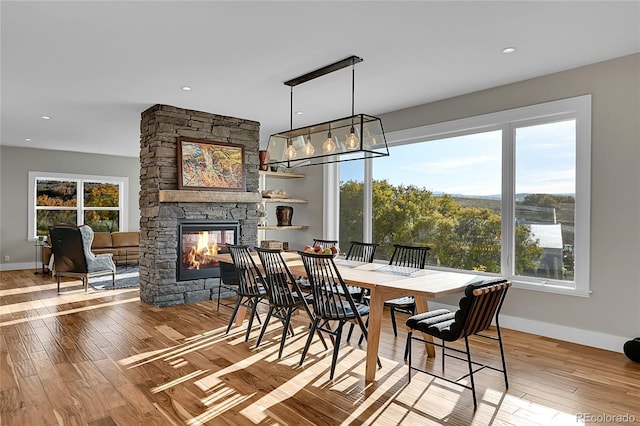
(356, 137)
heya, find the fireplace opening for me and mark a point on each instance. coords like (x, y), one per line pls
(198, 241)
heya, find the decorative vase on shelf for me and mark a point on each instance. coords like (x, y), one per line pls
(264, 157)
(284, 215)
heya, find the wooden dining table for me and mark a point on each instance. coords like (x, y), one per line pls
(387, 282)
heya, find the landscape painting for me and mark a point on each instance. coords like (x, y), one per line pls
(210, 165)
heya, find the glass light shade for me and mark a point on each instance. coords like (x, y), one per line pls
(308, 148)
(328, 146)
(370, 142)
(352, 141)
(291, 152)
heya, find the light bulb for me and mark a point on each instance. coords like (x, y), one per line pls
(290, 153)
(308, 149)
(352, 141)
(328, 146)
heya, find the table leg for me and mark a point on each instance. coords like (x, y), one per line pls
(423, 306)
(242, 312)
(373, 340)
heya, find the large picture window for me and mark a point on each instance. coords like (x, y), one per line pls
(97, 201)
(498, 194)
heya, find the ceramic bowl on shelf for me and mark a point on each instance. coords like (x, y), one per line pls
(274, 193)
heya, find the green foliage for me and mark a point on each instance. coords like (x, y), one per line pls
(460, 237)
(101, 195)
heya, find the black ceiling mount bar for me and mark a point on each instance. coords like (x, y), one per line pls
(351, 60)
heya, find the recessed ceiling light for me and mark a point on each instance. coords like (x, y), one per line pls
(508, 50)
(299, 113)
(186, 88)
(46, 117)
(27, 139)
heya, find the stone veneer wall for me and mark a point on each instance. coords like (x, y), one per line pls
(160, 128)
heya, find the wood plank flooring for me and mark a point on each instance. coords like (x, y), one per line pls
(106, 358)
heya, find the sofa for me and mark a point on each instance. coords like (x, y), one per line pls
(124, 246)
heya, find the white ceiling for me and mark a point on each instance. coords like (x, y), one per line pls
(95, 66)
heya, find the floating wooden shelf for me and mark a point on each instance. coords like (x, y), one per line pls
(282, 228)
(281, 175)
(284, 200)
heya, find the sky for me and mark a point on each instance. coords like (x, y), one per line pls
(471, 164)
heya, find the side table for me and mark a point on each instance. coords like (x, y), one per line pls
(39, 246)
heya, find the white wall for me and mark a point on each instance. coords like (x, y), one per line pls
(15, 164)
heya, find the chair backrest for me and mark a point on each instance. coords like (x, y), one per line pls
(481, 302)
(409, 256)
(228, 274)
(279, 278)
(324, 243)
(249, 276)
(67, 249)
(362, 252)
(331, 298)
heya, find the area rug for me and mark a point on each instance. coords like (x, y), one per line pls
(125, 278)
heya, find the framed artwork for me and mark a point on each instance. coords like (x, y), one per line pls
(210, 165)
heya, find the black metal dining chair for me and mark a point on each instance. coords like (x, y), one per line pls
(251, 290)
(324, 243)
(284, 294)
(362, 252)
(410, 257)
(481, 303)
(331, 302)
(228, 280)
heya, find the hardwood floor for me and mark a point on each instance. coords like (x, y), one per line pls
(106, 358)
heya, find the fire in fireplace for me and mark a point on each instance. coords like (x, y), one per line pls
(198, 241)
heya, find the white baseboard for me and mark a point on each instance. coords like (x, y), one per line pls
(16, 266)
(568, 334)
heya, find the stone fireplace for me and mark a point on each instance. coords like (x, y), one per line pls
(164, 209)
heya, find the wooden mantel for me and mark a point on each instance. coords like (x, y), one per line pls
(182, 196)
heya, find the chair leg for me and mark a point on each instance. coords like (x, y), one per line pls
(408, 350)
(443, 347)
(285, 331)
(85, 283)
(504, 364)
(336, 348)
(264, 326)
(473, 385)
(309, 338)
(254, 307)
(218, 307)
(58, 276)
(113, 279)
(233, 315)
(393, 321)
(362, 335)
(351, 327)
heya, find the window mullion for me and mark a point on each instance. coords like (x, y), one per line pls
(507, 258)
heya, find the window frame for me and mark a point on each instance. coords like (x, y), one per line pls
(578, 108)
(123, 209)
